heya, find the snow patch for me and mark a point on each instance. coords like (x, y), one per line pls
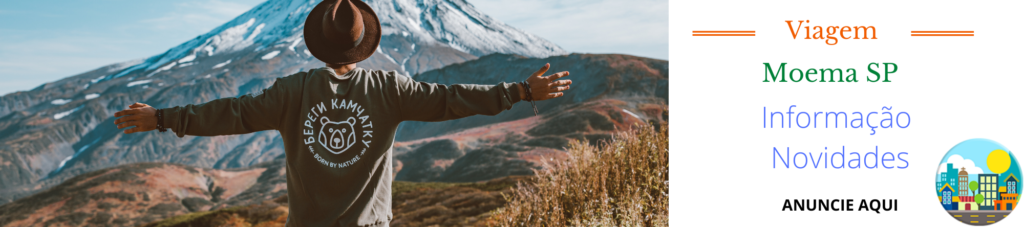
(167, 67)
(413, 46)
(390, 58)
(386, 55)
(256, 31)
(97, 79)
(209, 50)
(65, 161)
(87, 146)
(222, 64)
(126, 64)
(139, 82)
(187, 58)
(229, 39)
(405, 33)
(294, 43)
(457, 46)
(60, 115)
(60, 101)
(633, 114)
(161, 69)
(92, 96)
(271, 55)
(403, 65)
(307, 52)
(414, 24)
(186, 65)
(131, 69)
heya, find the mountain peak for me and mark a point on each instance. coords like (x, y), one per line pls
(452, 23)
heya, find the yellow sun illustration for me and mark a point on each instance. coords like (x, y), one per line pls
(998, 161)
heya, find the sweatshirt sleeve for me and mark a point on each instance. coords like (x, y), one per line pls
(238, 115)
(421, 101)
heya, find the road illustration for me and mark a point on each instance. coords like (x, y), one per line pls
(979, 216)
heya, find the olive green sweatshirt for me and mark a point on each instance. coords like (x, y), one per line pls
(338, 132)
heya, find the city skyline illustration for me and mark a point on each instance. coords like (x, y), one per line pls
(978, 182)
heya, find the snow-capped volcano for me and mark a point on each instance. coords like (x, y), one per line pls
(450, 23)
(64, 128)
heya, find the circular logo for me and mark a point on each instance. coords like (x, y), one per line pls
(337, 133)
(978, 182)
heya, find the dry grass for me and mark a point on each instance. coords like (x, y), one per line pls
(267, 214)
(449, 204)
(624, 183)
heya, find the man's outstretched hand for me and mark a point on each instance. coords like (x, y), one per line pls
(546, 87)
(142, 116)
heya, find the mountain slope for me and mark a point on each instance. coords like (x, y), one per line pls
(594, 76)
(129, 195)
(65, 128)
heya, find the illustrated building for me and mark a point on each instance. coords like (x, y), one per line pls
(999, 202)
(967, 203)
(1010, 193)
(963, 182)
(988, 185)
(1011, 183)
(947, 197)
(1010, 201)
(951, 176)
(956, 203)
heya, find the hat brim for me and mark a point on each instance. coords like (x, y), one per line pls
(329, 51)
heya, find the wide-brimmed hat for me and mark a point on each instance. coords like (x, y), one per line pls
(342, 32)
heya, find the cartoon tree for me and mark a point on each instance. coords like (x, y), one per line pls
(979, 198)
(973, 186)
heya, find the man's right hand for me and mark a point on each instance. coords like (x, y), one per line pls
(142, 116)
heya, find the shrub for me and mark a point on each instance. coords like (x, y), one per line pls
(624, 183)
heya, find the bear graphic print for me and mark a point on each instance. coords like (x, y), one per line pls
(337, 134)
(337, 137)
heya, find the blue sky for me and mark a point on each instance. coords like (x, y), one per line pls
(43, 41)
(637, 27)
(977, 151)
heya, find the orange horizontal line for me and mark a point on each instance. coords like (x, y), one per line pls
(723, 34)
(723, 31)
(941, 34)
(941, 31)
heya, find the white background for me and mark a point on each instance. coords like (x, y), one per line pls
(955, 88)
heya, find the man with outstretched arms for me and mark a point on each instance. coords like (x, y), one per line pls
(338, 122)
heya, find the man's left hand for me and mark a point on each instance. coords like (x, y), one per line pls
(546, 87)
